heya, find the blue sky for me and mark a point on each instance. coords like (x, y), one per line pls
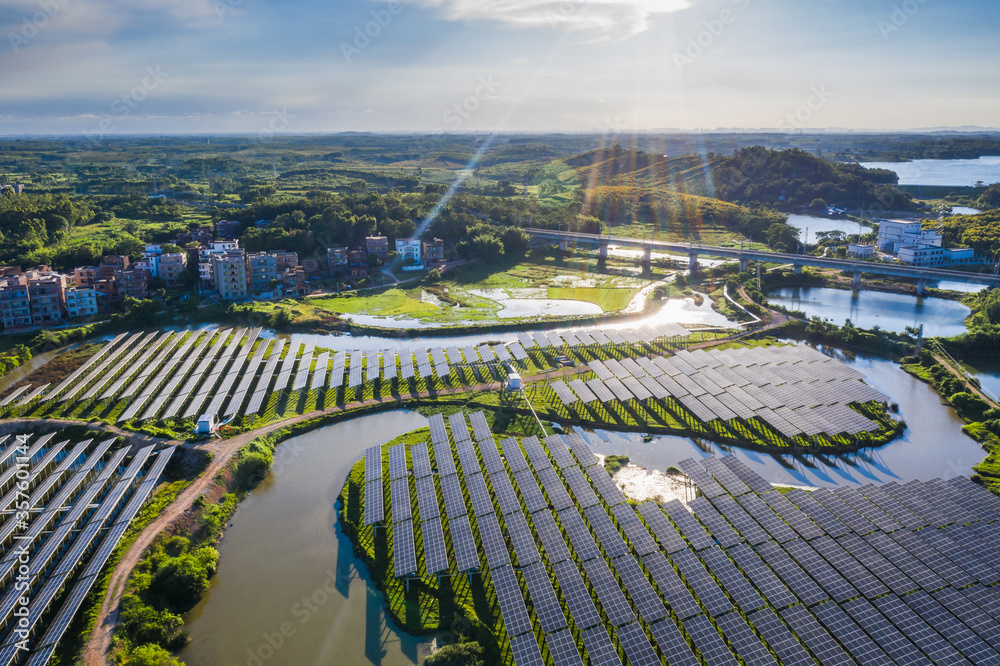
(190, 66)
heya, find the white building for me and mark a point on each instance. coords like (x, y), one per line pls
(861, 251)
(205, 255)
(895, 234)
(930, 255)
(81, 302)
(408, 248)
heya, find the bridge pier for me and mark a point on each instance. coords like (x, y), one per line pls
(798, 269)
(647, 259)
(921, 287)
(744, 264)
(693, 262)
(602, 252)
(857, 281)
(564, 244)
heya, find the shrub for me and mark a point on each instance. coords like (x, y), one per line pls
(151, 655)
(457, 654)
(615, 463)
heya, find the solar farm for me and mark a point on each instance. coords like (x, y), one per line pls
(745, 573)
(239, 375)
(775, 394)
(66, 506)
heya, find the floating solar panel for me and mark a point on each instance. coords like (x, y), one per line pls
(704, 586)
(511, 602)
(435, 551)
(533, 499)
(810, 632)
(662, 529)
(579, 535)
(543, 598)
(404, 554)
(493, 542)
(466, 553)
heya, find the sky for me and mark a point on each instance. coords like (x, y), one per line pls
(104, 67)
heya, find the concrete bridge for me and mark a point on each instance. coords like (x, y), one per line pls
(693, 251)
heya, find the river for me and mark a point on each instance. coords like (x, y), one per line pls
(811, 225)
(284, 551)
(957, 173)
(867, 309)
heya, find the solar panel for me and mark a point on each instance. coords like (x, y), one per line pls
(673, 644)
(578, 600)
(435, 551)
(843, 512)
(609, 593)
(662, 529)
(911, 566)
(770, 586)
(543, 598)
(517, 351)
(443, 458)
(459, 428)
(688, 526)
(466, 553)
(917, 630)
(789, 571)
(716, 524)
(552, 539)
(706, 484)
(467, 457)
(374, 502)
(883, 569)
(479, 495)
(637, 647)
(763, 514)
(404, 554)
(578, 483)
(493, 541)
(637, 534)
(427, 501)
(828, 578)
(704, 586)
(744, 641)
(937, 562)
(647, 602)
(711, 646)
(850, 634)
(953, 629)
(600, 650)
(562, 648)
(400, 493)
(388, 364)
(421, 461)
(578, 445)
(536, 454)
(820, 515)
(397, 462)
(792, 515)
(504, 492)
(780, 639)
(512, 453)
(454, 501)
(557, 449)
(725, 476)
(605, 486)
(966, 611)
(522, 539)
(734, 582)
(579, 535)
(671, 586)
(373, 463)
(554, 489)
(819, 642)
(597, 387)
(606, 532)
(533, 499)
(894, 643)
(511, 602)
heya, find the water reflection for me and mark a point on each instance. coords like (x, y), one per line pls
(867, 309)
(933, 444)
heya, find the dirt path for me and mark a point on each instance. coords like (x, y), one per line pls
(965, 380)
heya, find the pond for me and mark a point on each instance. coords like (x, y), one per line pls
(289, 589)
(933, 444)
(867, 309)
(958, 173)
(814, 225)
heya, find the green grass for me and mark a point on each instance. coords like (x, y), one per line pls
(609, 300)
(394, 302)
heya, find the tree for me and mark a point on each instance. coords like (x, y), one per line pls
(990, 198)
(782, 237)
(151, 655)
(457, 654)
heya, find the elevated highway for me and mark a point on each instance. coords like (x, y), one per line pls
(921, 274)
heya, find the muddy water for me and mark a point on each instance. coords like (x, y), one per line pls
(289, 590)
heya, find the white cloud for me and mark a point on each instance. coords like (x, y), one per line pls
(605, 19)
